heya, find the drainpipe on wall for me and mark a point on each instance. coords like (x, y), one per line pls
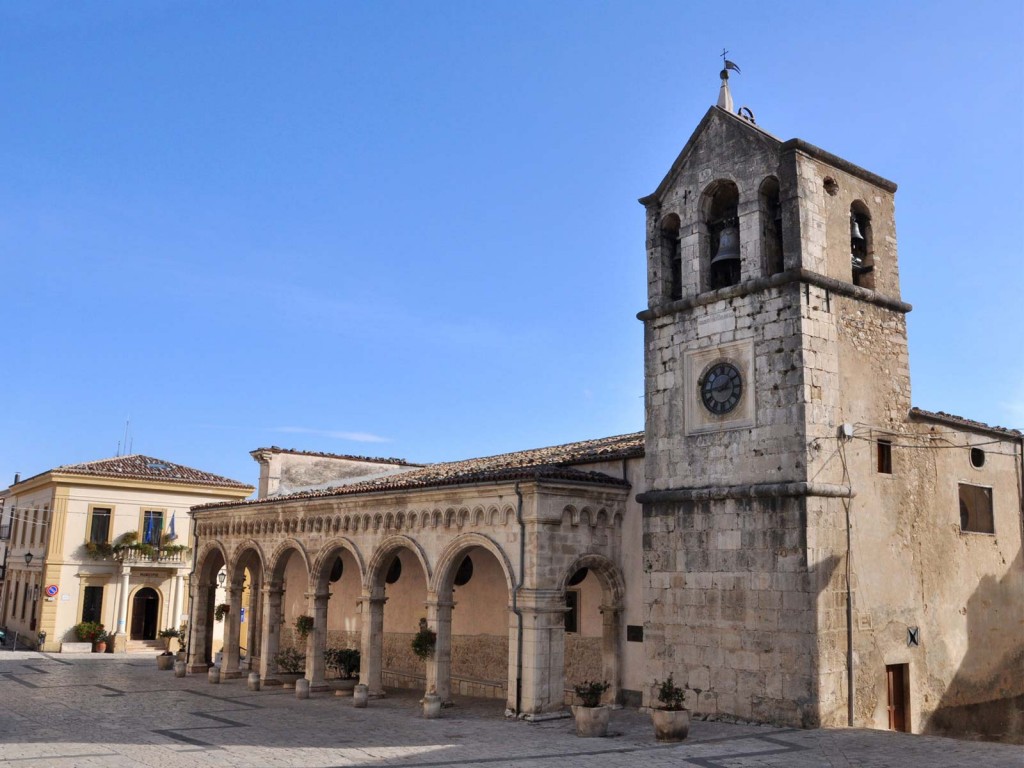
(515, 599)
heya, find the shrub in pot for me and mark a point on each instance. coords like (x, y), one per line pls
(591, 717)
(671, 720)
(291, 665)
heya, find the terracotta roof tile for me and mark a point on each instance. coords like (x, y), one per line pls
(960, 421)
(373, 459)
(553, 463)
(138, 467)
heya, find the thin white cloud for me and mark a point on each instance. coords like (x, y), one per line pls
(358, 437)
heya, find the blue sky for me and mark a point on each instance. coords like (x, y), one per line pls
(410, 229)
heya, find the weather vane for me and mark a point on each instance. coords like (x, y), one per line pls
(729, 64)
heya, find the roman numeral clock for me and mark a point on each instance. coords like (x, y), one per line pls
(721, 388)
(718, 392)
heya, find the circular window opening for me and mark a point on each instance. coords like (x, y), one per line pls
(977, 458)
(465, 572)
(394, 572)
(336, 570)
(578, 577)
(831, 186)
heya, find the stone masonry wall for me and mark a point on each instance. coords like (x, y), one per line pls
(731, 607)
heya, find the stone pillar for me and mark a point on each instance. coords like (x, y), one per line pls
(439, 667)
(121, 635)
(232, 633)
(253, 625)
(543, 651)
(372, 644)
(316, 642)
(199, 627)
(271, 639)
(179, 600)
(610, 661)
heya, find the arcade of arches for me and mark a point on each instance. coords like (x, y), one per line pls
(487, 565)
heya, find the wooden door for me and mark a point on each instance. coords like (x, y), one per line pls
(896, 683)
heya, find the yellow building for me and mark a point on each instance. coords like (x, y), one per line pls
(105, 541)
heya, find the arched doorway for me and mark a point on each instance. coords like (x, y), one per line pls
(145, 612)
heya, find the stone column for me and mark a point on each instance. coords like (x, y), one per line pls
(232, 633)
(121, 635)
(543, 651)
(610, 661)
(199, 627)
(316, 643)
(271, 639)
(439, 667)
(372, 644)
(179, 598)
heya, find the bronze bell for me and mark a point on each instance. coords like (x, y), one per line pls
(728, 246)
(855, 234)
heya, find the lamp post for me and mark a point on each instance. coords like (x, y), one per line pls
(28, 558)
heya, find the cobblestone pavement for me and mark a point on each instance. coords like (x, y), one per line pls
(91, 710)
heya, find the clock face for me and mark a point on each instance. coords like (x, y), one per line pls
(721, 388)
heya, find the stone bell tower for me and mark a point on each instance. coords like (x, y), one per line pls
(774, 318)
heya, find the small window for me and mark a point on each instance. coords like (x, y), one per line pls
(152, 527)
(572, 615)
(885, 457)
(977, 458)
(99, 525)
(976, 509)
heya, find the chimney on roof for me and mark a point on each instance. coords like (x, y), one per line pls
(17, 478)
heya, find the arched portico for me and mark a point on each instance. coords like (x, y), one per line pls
(476, 569)
(244, 581)
(211, 558)
(612, 589)
(397, 557)
(287, 577)
(336, 576)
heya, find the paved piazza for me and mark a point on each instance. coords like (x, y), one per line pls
(86, 710)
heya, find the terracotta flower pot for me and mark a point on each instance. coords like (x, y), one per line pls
(591, 721)
(100, 647)
(670, 724)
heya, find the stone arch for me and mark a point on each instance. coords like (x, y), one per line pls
(719, 223)
(276, 563)
(324, 559)
(609, 578)
(669, 229)
(448, 561)
(374, 573)
(770, 208)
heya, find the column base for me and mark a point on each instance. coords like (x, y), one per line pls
(319, 688)
(197, 669)
(234, 675)
(270, 682)
(120, 642)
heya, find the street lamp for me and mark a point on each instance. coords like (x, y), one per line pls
(222, 577)
(28, 558)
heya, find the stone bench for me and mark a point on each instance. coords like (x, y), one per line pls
(76, 647)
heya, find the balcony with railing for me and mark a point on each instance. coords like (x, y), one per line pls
(138, 553)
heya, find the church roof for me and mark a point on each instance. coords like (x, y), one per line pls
(959, 421)
(139, 467)
(551, 463)
(325, 455)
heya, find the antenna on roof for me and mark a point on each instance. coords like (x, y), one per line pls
(127, 428)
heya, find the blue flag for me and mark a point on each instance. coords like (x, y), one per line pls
(170, 530)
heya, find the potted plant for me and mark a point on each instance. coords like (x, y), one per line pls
(424, 641)
(591, 717)
(303, 626)
(165, 661)
(291, 665)
(345, 663)
(101, 641)
(221, 611)
(91, 632)
(671, 720)
(167, 634)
